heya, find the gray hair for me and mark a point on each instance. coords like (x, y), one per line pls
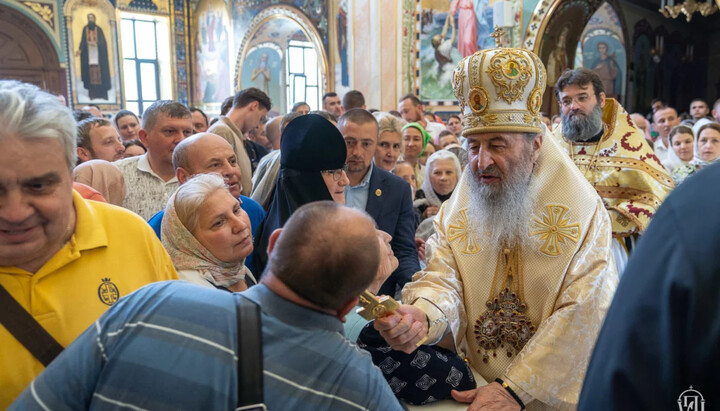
(388, 122)
(170, 108)
(28, 112)
(443, 155)
(191, 195)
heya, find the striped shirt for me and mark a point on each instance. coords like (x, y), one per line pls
(172, 345)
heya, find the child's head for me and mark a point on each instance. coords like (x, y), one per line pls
(436, 40)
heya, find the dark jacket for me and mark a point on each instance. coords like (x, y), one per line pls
(390, 204)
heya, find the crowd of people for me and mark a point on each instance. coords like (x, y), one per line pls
(129, 243)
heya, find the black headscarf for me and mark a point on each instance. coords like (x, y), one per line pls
(309, 144)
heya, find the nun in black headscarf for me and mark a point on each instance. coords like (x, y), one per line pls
(312, 168)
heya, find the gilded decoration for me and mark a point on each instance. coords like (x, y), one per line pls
(554, 229)
(45, 11)
(505, 323)
(460, 231)
(510, 72)
(458, 82)
(478, 100)
(535, 101)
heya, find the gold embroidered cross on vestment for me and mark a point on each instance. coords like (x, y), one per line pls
(504, 324)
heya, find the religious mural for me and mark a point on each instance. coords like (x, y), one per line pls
(263, 69)
(342, 45)
(211, 30)
(316, 10)
(451, 30)
(145, 6)
(603, 50)
(93, 52)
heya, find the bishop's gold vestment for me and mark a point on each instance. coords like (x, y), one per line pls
(623, 169)
(569, 281)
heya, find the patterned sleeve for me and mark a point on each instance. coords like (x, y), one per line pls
(439, 285)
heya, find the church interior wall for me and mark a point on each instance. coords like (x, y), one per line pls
(384, 48)
(681, 68)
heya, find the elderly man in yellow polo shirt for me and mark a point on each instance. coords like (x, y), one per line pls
(63, 260)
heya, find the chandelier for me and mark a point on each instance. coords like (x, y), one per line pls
(669, 9)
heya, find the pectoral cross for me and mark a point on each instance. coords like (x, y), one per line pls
(499, 36)
(373, 307)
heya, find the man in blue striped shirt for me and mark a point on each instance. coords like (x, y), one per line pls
(172, 345)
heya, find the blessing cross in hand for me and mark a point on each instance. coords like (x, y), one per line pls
(499, 36)
(373, 307)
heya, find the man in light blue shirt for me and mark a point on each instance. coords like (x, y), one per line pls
(173, 345)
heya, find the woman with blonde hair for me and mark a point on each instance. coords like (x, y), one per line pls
(390, 140)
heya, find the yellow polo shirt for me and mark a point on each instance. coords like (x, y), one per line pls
(112, 253)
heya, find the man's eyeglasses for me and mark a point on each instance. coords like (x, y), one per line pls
(337, 174)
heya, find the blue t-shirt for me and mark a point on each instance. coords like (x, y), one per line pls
(173, 346)
(253, 209)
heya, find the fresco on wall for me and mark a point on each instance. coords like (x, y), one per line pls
(263, 69)
(316, 10)
(212, 51)
(145, 6)
(342, 44)
(94, 68)
(603, 50)
(451, 30)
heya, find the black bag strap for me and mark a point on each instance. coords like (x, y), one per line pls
(26, 330)
(250, 355)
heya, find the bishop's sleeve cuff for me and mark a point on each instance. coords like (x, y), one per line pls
(437, 323)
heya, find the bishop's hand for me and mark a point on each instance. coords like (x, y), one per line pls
(491, 397)
(404, 328)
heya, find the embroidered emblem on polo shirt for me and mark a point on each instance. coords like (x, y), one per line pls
(108, 292)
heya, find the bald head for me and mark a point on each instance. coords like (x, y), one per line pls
(207, 153)
(272, 132)
(322, 263)
(639, 121)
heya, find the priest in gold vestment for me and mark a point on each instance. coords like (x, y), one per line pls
(520, 272)
(612, 154)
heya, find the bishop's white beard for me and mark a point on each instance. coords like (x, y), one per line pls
(503, 212)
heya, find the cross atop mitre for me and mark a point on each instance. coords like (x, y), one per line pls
(499, 36)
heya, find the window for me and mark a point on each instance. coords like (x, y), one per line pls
(145, 45)
(303, 75)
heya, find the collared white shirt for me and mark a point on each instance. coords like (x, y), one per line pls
(357, 196)
(146, 193)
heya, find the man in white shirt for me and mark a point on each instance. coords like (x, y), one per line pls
(411, 109)
(664, 120)
(150, 178)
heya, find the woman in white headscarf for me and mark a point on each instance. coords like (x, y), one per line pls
(443, 174)
(707, 151)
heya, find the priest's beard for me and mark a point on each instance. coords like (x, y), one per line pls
(502, 211)
(581, 128)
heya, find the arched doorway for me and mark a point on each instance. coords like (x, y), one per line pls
(26, 53)
(282, 53)
(554, 32)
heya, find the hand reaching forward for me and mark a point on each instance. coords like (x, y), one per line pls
(491, 397)
(404, 328)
